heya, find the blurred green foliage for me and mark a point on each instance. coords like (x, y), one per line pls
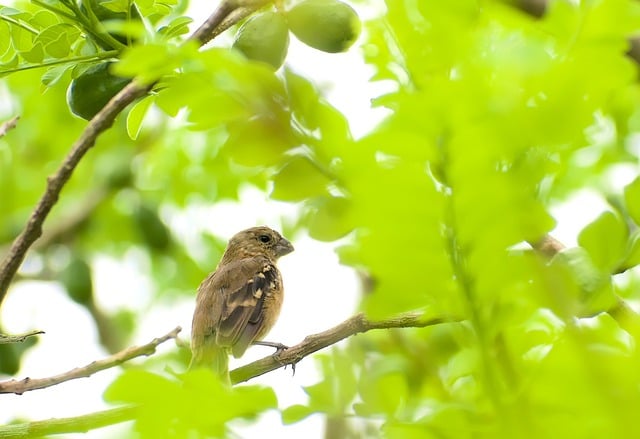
(495, 116)
(189, 407)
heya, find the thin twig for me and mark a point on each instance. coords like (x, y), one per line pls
(101, 122)
(312, 343)
(7, 126)
(5, 339)
(20, 386)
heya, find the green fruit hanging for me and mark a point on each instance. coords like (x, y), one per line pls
(76, 278)
(265, 38)
(328, 25)
(153, 231)
(91, 91)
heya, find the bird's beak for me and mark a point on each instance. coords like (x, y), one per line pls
(283, 247)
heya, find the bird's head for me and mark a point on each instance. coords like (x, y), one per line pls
(256, 241)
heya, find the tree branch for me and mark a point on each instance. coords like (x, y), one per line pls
(547, 246)
(101, 122)
(77, 424)
(33, 229)
(312, 343)
(20, 386)
(5, 339)
(621, 311)
(7, 126)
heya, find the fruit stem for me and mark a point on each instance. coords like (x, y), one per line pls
(19, 23)
(90, 23)
(97, 56)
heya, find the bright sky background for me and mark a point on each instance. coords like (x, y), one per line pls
(310, 306)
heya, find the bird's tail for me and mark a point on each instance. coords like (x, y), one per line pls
(214, 358)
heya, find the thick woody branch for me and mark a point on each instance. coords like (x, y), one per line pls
(20, 386)
(101, 122)
(312, 343)
(5, 339)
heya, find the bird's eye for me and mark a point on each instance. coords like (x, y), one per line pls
(264, 238)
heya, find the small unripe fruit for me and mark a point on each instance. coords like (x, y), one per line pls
(265, 38)
(91, 91)
(328, 25)
(153, 231)
(76, 278)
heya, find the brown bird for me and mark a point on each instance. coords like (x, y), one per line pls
(240, 301)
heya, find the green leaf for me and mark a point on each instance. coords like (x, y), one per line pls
(632, 258)
(200, 403)
(299, 179)
(605, 239)
(295, 413)
(302, 98)
(44, 19)
(208, 106)
(596, 291)
(35, 55)
(314, 113)
(53, 33)
(21, 39)
(139, 386)
(136, 116)
(59, 48)
(632, 199)
(152, 61)
(178, 26)
(261, 141)
(116, 5)
(383, 386)
(328, 218)
(10, 63)
(5, 38)
(589, 277)
(54, 74)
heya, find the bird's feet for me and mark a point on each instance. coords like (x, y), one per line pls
(279, 347)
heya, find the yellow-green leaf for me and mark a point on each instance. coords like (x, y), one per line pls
(299, 179)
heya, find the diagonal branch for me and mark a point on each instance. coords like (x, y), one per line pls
(20, 386)
(7, 126)
(101, 122)
(5, 339)
(312, 343)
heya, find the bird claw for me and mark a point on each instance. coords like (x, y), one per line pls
(293, 368)
(279, 347)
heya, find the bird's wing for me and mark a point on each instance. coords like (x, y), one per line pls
(246, 284)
